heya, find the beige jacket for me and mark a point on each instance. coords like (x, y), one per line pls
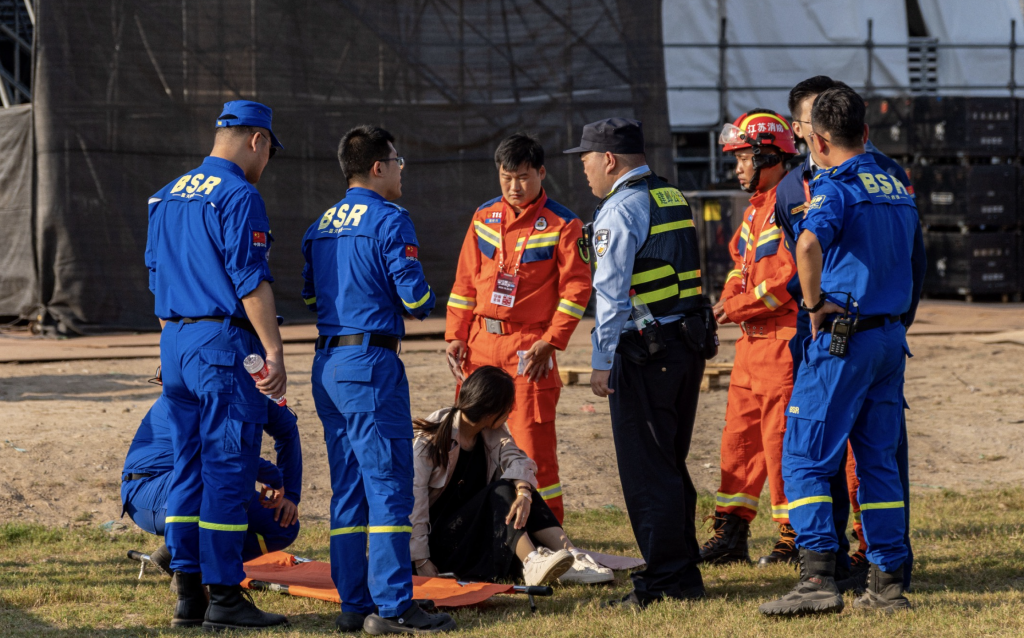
(504, 461)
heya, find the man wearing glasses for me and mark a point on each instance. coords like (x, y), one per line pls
(362, 271)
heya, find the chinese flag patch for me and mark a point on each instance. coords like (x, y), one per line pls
(259, 239)
(412, 252)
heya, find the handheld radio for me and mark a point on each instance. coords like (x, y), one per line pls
(843, 328)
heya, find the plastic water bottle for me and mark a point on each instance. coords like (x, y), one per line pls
(257, 369)
(641, 314)
(647, 325)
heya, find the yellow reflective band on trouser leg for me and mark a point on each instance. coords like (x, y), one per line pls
(263, 544)
(780, 511)
(181, 519)
(736, 500)
(359, 529)
(891, 505)
(221, 527)
(310, 301)
(550, 492)
(810, 500)
(390, 529)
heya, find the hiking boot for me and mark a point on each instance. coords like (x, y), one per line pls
(728, 543)
(412, 621)
(231, 607)
(816, 592)
(785, 548)
(193, 600)
(543, 566)
(857, 580)
(885, 591)
(585, 571)
(162, 559)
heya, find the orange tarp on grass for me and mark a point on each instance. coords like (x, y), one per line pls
(313, 580)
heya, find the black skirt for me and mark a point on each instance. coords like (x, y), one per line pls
(468, 533)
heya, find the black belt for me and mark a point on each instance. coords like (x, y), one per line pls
(867, 323)
(381, 341)
(135, 476)
(244, 324)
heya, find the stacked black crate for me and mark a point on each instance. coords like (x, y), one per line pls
(966, 178)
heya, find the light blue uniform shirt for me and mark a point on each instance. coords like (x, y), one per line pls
(623, 220)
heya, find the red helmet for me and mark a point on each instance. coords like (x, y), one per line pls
(761, 128)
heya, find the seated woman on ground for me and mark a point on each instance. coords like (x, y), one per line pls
(477, 513)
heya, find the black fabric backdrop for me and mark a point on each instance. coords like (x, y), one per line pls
(18, 284)
(127, 91)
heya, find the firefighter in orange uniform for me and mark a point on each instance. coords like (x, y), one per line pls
(522, 285)
(758, 297)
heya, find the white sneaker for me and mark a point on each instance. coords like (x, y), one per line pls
(544, 566)
(585, 571)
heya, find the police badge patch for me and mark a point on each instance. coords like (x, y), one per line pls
(601, 242)
(541, 224)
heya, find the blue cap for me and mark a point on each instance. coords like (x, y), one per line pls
(248, 113)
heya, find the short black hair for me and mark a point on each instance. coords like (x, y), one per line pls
(811, 86)
(517, 149)
(361, 147)
(245, 131)
(839, 113)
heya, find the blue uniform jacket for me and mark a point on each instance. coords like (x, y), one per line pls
(362, 267)
(208, 242)
(151, 451)
(790, 200)
(866, 223)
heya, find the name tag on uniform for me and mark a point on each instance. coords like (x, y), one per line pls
(505, 290)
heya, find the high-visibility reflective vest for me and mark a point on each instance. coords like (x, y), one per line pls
(666, 271)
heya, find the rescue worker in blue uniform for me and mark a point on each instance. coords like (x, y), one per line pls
(273, 520)
(792, 199)
(854, 256)
(207, 257)
(362, 272)
(646, 249)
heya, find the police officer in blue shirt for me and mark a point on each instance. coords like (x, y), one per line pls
(273, 518)
(792, 200)
(207, 257)
(362, 271)
(647, 256)
(854, 257)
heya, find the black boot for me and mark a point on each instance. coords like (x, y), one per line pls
(728, 544)
(885, 591)
(162, 559)
(193, 600)
(816, 592)
(784, 550)
(857, 580)
(231, 607)
(412, 621)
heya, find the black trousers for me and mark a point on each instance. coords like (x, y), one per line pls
(653, 409)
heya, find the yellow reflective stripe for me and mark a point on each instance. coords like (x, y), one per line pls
(181, 519)
(679, 225)
(263, 544)
(359, 529)
(771, 301)
(729, 500)
(550, 492)
(221, 527)
(415, 305)
(543, 238)
(458, 301)
(692, 274)
(760, 289)
(882, 506)
(658, 295)
(486, 234)
(808, 501)
(390, 529)
(570, 308)
(856, 516)
(519, 243)
(734, 273)
(310, 301)
(651, 275)
(690, 292)
(774, 235)
(542, 244)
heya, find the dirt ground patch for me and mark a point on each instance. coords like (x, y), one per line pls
(66, 427)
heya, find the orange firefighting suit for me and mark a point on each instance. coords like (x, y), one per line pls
(543, 247)
(758, 298)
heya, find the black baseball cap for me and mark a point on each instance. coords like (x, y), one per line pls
(615, 135)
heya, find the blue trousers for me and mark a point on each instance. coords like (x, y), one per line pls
(217, 418)
(145, 501)
(362, 397)
(857, 398)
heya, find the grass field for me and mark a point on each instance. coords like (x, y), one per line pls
(968, 581)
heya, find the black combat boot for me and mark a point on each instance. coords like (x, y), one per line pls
(162, 559)
(193, 600)
(857, 580)
(885, 591)
(231, 607)
(816, 592)
(728, 543)
(784, 550)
